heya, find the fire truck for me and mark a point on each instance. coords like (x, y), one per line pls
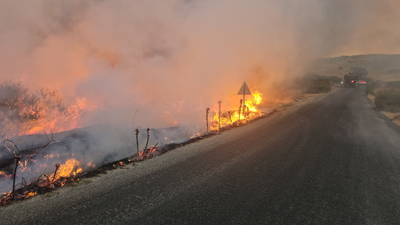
(350, 80)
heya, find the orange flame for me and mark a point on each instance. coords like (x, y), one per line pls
(56, 121)
(70, 167)
(251, 112)
(30, 194)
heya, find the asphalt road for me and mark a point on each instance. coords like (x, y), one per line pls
(331, 160)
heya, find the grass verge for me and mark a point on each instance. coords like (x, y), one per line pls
(387, 99)
(318, 85)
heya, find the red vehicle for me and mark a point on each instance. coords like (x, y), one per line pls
(350, 80)
(362, 82)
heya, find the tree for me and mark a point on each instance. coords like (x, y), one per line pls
(25, 112)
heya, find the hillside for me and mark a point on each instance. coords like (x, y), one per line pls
(379, 66)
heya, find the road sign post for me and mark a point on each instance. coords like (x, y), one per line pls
(244, 90)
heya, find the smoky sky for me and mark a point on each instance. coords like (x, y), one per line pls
(171, 59)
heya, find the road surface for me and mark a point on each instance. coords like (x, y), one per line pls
(331, 160)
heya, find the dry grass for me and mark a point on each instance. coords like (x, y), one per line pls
(371, 97)
(394, 117)
(387, 99)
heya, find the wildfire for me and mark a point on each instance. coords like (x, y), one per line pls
(70, 167)
(25, 112)
(235, 115)
(63, 174)
(257, 97)
(57, 121)
(68, 118)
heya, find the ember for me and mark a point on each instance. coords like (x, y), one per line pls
(2, 173)
(146, 154)
(30, 194)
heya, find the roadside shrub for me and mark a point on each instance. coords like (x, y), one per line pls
(388, 99)
(318, 85)
(335, 79)
(23, 111)
(371, 87)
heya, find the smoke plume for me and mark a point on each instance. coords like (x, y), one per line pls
(173, 58)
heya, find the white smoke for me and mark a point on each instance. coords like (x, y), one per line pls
(178, 56)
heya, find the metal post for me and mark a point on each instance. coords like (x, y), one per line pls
(219, 114)
(240, 108)
(244, 103)
(137, 141)
(17, 159)
(55, 172)
(147, 142)
(207, 110)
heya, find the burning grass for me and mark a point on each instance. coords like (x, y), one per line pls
(64, 174)
(69, 168)
(72, 171)
(246, 112)
(68, 173)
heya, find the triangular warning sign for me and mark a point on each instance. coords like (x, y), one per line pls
(244, 90)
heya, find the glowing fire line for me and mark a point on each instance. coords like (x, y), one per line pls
(251, 112)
